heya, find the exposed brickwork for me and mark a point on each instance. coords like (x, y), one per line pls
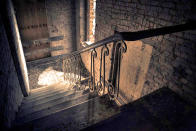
(10, 91)
(91, 16)
(61, 21)
(173, 58)
(32, 23)
(43, 19)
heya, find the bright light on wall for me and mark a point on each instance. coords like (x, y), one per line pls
(94, 13)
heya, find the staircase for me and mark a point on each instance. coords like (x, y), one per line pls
(56, 107)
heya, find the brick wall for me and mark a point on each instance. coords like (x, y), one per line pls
(61, 21)
(10, 94)
(173, 58)
(32, 23)
(91, 17)
(47, 18)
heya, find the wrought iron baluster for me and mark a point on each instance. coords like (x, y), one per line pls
(113, 86)
(65, 63)
(79, 69)
(92, 73)
(101, 83)
(80, 77)
(69, 71)
(79, 72)
(74, 71)
(63, 67)
(122, 49)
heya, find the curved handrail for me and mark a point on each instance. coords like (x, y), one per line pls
(128, 36)
(132, 36)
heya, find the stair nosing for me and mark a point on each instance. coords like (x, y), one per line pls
(56, 124)
(42, 97)
(56, 110)
(79, 94)
(32, 96)
(41, 101)
(46, 90)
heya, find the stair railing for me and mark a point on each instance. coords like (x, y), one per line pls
(75, 72)
(72, 63)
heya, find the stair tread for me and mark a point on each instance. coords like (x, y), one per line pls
(46, 99)
(54, 109)
(26, 101)
(82, 112)
(34, 94)
(46, 88)
(50, 90)
(38, 107)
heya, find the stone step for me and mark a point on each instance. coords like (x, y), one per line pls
(83, 112)
(45, 89)
(74, 118)
(26, 101)
(51, 103)
(54, 109)
(46, 99)
(32, 96)
(42, 93)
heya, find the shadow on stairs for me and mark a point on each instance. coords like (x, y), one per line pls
(161, 110)
(81, 110)
(56, 108)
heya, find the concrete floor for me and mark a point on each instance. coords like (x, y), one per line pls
(162, 110)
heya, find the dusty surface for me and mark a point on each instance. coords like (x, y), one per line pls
(162, 110)
(104, 110)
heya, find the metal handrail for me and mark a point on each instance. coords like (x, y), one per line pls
(133, 36)
(129, 36)
(74, 68)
